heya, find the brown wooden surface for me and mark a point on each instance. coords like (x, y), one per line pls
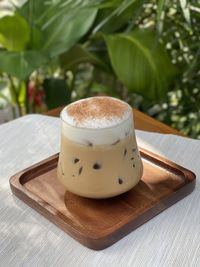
(142, 122)
(98, 224)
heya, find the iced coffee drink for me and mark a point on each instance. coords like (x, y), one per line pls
(99, 157)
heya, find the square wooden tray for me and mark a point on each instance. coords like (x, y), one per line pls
(98, 224)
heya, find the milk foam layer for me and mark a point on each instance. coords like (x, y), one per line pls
(103, 127)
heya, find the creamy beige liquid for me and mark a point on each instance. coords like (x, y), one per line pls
(99, 171)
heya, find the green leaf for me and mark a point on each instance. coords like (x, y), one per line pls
(112, 19)
(140, 63)
(40, 13)
(36, 39)
(186, 10)
(14, 33)
(22, 90)
(100, 88)
(33, 10)
(160, 15)
(56, 92)
(78, 54)
(62, 33)
(57, 25)
(21, 64)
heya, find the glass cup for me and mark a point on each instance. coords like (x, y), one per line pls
(99, 157)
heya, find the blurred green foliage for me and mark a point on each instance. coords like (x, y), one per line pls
(145, 52)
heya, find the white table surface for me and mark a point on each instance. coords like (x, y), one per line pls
(172, 238)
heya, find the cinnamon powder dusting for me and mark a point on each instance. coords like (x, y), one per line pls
(97, 108)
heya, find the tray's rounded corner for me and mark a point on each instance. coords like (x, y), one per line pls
(14, 180)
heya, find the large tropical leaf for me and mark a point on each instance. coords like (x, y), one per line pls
(63, 32)
(14, 32)
(38, 12)
(78, 54)
(21, 64)
(141, 63)
(58, 25)
(33, 10)
(117, 15)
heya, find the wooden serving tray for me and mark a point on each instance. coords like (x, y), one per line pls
(98, 224)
